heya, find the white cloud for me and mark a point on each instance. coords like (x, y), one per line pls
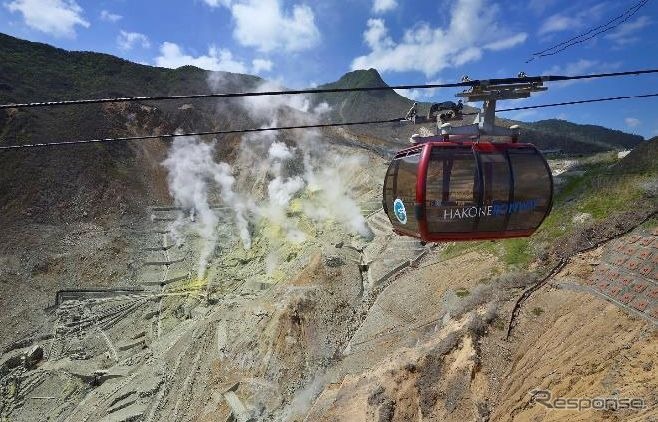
(573, 17)
(381, 6)
(508, 42)
(54, 17)
(573, 68)
(539, 6)
(110, 17)
(431, 49)
(625, 33)
(413, 94)
(632, 122)
(559, 23)
(217, 59)
(127, 40)
(218, 3)
(420, 94)
(375, 35)
(172, 56)
(266, 26)
(261, 65)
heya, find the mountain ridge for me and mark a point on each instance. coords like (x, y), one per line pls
(31, 71)
(547, 134)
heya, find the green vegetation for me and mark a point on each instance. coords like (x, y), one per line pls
(555, 133)
(462, 292)
(605, 199)
(371, 105)
(547, 134)
(537, 311)
(36, 72)
(517, 252)
(606, 186)
(459, 248)
(32, 71)
(650, 223)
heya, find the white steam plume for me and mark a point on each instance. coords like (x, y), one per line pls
(329, 182)
(325, 174)
(192, 172)
(295, 168)
(280, 191)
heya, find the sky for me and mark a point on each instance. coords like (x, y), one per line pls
(301, 43)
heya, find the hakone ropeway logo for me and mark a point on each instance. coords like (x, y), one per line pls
(400, 211)
(494, 210)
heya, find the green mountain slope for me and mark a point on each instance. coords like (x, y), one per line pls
(364, 105)
(32, 71)
(642, 159)
(596, 136)
(546, 134)
(63, 184)
(36, 72)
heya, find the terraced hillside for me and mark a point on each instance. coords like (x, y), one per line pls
(350, 328)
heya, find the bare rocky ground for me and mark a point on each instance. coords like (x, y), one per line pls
(345, 329)
(456, 359)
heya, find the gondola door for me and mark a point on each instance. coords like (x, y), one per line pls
(400, 193)
(497, 187)
(452, 187)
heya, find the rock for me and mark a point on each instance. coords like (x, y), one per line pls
(649, 188)
(150, 314)
(80, 356)
(33, 356)
(582, 218)
(130, 344)
(199, 312)
(260, 312)
(238, 409)
(334, 261)
(139, 334)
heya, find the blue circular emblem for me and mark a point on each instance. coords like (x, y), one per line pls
(400, 211)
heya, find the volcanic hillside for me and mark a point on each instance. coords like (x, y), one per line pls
(260, 279)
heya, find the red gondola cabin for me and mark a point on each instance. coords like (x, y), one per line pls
(447, 191)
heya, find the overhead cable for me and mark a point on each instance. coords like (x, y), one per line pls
(467, 83)
(178, 135)
(310, 126)
(593, 100)
(591, 33)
